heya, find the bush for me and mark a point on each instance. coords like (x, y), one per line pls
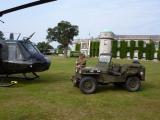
(74, 53)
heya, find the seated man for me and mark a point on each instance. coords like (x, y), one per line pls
(80, 62)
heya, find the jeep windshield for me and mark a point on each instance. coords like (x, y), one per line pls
(105, 58)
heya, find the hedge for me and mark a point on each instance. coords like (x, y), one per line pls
(132, 48)
(78, 46)
(123, 49)
(97, 48)
(74, 53)
(114, 48)
(150, 50)
(140, 49)
(94, 48)
(91, 49)
(159, 52)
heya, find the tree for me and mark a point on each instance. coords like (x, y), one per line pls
(1, 36)
(63, 33)
(44, 47)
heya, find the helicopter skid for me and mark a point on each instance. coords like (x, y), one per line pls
(7, 84)
(31, 78)
(17, 77)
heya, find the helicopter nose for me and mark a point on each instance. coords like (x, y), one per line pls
(46, 64)
(43, 65)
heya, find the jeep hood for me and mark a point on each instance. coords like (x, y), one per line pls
(90, 69)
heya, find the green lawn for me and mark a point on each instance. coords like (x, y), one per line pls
(54, 97)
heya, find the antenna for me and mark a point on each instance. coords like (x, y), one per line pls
(1, 21)
(18, 36)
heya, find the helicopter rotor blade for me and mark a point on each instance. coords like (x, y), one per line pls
(39, 2)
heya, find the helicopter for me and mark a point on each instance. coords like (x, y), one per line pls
(21, 56)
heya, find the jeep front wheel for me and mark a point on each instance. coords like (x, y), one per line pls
(87, 85)
(133, 84)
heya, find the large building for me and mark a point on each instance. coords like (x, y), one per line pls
(132, 45)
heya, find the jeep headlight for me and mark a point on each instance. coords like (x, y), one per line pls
(80, 71)
(141, 73)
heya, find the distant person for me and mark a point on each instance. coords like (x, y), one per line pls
(80, 62)
(135, 61)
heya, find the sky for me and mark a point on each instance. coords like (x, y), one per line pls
(92, 17)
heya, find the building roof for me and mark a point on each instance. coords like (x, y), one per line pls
(137, 37)
(123, 37)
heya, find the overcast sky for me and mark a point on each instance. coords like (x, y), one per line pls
(92, 16)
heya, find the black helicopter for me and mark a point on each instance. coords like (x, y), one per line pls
(21, 56)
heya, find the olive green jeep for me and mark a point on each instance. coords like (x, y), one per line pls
(129, 75)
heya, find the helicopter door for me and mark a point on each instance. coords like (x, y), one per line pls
(14, 57)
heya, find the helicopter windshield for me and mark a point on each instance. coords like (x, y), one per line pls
(31, 48)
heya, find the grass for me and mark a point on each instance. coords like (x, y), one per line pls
(53, 97)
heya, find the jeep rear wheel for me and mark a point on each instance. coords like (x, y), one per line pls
(133, 84)
(87, 85)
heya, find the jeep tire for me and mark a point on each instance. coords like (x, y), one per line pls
(133, 84)
(87, 85)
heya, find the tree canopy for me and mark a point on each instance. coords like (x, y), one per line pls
(63, 33)
(44, 47)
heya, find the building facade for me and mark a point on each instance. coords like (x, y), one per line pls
(121, 46)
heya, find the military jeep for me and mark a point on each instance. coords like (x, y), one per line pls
(128, 75)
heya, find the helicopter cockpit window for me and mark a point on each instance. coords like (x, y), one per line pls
(31, 48)
(14, 52)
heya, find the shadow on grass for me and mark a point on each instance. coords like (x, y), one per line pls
(46, 78)
(110, 87)
(147, 86)
(103, 88)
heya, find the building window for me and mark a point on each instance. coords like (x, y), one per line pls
(136, 54)
(105, 42)
(144, 45)
(155, 55)
(119, 43)
(128, 54)
(118, 54)
(129, 43)
(84, 46)
(144, 55)
(156, 46)
(136, 43)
